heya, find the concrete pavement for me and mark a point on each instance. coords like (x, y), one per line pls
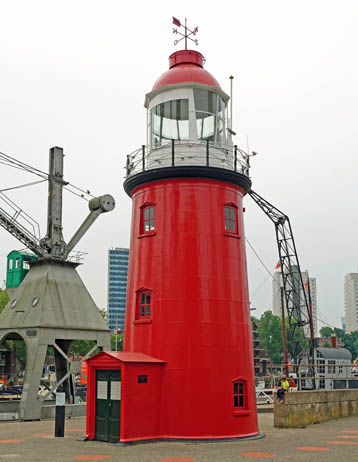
(328, 442)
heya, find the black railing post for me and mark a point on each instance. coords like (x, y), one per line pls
(143, 157)
(173, 154)
(235, 159)
(207, 153)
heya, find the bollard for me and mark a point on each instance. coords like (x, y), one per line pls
(60, 414)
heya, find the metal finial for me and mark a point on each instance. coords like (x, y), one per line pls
(187, 32)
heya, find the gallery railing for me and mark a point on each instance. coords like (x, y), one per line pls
(178, 153)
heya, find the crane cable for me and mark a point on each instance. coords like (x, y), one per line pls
(12, 162)
(271, 274)
(22, 186)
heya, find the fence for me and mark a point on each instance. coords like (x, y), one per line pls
(319, 376)
(178, 153)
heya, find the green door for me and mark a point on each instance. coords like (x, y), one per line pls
(108, 405)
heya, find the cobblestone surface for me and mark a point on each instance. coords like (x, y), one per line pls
(34, 441)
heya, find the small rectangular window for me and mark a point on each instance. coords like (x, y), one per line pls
(17, 262)
(239, 394)
(147, 225)
(144, 304)
(11, 263)
(230, 215)
(142, 378)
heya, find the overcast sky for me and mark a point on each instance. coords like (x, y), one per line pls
(74, 74)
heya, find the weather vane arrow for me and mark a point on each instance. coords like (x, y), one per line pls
(187, 32)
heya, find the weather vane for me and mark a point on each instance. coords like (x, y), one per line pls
(187, 32)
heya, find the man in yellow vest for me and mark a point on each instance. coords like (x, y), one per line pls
(285, 385)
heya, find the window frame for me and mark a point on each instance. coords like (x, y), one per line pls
(143, 318)
(142, 231)
(236, 408)
(229, 232)
(163, 129)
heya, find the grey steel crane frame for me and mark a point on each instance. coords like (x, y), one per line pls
(52, 307)
(298, 305)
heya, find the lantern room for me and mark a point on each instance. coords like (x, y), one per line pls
(185, 105)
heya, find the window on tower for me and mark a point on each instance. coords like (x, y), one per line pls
(147, 221)
(210, 116)
(230, 218)
(170, 121)
(144, 304)
(240, 398)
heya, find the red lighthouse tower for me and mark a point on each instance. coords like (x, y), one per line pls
(187, 296)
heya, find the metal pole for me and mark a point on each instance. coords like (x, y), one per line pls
(173, 154)
(60, 412)
(235, 160)
(285, 355)
(231, 79)
(186, 34)
(312, 332)
(54, 209)
(117, 333)
(207, 153)
(143, 157)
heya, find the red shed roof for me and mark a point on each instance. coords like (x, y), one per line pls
(128, 357)
(186, 66)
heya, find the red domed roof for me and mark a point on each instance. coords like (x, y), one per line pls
(186, 66)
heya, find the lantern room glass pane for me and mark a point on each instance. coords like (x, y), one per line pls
(170, 121)
(210, 116)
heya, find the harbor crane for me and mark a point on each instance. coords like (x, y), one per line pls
(51, 307)
(296, 298)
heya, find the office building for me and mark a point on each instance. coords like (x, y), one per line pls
(117, 287)
(276, 295)
(351, 301)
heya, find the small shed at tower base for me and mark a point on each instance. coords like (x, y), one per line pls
(123, 396)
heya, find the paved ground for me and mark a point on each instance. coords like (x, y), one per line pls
(331, 441)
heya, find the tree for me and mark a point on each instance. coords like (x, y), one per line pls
(326, 332)
(81, 347)
(299, 337)
(270, 333)
(117, 342)
(4, 299)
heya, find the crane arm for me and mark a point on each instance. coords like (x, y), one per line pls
(30, 241)
(299, 310)
(97, 206)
